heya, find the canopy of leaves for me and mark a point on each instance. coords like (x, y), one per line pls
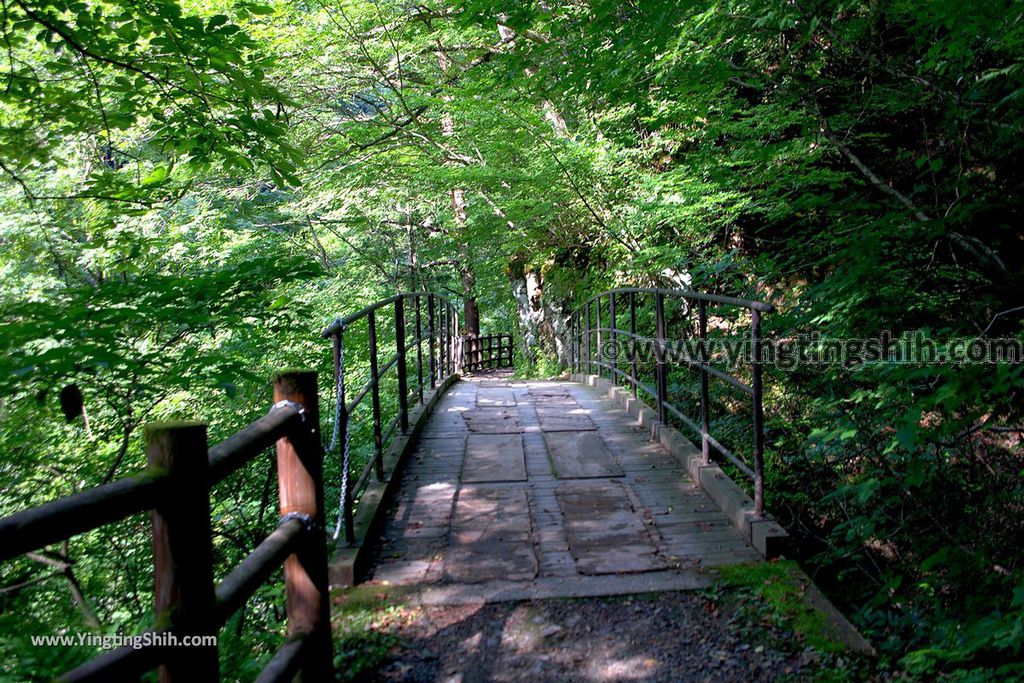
(191, 189)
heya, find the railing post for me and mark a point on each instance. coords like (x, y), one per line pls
(615, 347)
(342, 417)
(432, 346)
(183, 549)
(572, 341)
(378, 440)
(705, 400)
(586, 336)
(403, 385)
(632, 342)
(755, 337)
(579, 340)
(300, 460)
(446, 351)
(419, 348)
(659, 347)
(600, 337)
(457, 358)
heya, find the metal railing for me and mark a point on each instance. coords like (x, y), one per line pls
(487, 352)
(434, 353)
(591, 339)
(176, 489)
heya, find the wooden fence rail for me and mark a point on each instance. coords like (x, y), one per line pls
(176, 490)
(596, 347)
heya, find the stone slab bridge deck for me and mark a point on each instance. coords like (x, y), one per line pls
(535, 489)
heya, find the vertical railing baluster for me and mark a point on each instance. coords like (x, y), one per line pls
(613, 375)
(183, 549)
(662, 374)
(456, 359)
(300, 460)
(403, 385)
(600, 337)
(378, 442)
(632, 342)
(419, 348)
(431, 346)
(705, 399)
(454, 364)
(755, 337)
(587, 338)
(579, 340)
(572, 341)
(442, 351)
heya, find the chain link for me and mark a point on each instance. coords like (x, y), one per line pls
(339, 403)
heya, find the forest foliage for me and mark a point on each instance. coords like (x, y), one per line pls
(191, 189)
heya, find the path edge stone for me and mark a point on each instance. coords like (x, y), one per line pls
(349, 562)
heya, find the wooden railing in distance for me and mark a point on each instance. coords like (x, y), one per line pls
(176, 489)
(426, 328)
(592, 340)
(487, 352)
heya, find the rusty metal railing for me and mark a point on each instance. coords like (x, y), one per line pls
(487, 352)
(592, 340)
(425, 343)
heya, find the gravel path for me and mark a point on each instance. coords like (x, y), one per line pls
(678, 636)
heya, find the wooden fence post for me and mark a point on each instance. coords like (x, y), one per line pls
(300, 483)
(183, 549)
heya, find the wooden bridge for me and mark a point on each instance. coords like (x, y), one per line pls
(469, 488)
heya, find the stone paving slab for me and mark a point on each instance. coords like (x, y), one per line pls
(491, 536)
(581, 455)
(606, 535)
(493, 420)
(558, 419)
(496, 398)
(493, 458)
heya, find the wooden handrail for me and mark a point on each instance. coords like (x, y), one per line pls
(176, 490)
(63, 518)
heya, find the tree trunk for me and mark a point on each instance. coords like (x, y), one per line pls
(470, 312)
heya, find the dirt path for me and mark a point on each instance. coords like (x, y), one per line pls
(725, 635)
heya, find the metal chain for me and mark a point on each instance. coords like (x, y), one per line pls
(339, 401)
